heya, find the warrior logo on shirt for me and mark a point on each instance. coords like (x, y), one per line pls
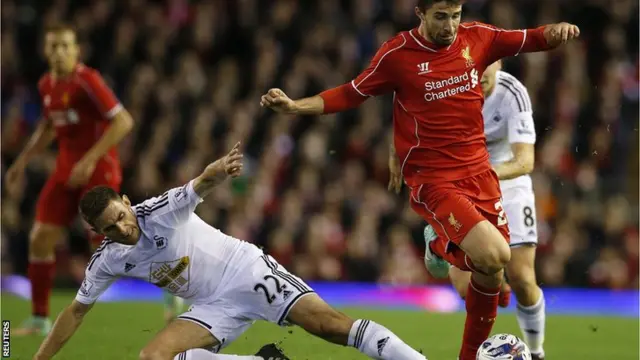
(172, 275)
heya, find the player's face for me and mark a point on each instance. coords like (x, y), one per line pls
(488, 81)
(441, 22)
(118, 222)
(61, 50)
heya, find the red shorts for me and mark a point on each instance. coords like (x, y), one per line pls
(58, 204)
(454, 208)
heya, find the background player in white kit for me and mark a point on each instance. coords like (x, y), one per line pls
(511, 135)
(230, 283)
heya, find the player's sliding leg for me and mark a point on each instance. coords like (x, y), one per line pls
(187, 339)
(372, 339)
(531, 307)
(178, 337)
(173, 306)
(267, 352)
(42, 241)
(201, 354)
(486, 253)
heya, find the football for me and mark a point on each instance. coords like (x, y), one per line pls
(503, 347)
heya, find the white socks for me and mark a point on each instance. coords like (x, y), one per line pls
(202, 354)
(531, 320)
(378, 342)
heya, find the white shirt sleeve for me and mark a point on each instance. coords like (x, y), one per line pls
(171, 209)
(521, 128)
(97, 278)
(520, 118)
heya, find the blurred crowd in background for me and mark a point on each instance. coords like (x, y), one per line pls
(314, 192)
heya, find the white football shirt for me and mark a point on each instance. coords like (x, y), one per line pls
(508, 119)
(176, 251)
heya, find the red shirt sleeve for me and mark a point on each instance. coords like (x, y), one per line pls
(375, 80)
(504, 43)
(100, 93)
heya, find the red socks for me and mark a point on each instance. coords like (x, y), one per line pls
(41, 275)
(482, 309)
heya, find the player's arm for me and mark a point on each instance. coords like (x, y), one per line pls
(65, 326)
(522, 162)
(522, 137)
(42, 137)
(98, 278)
(110, 107)
(376, 80)
(505, 43)
(176, 206)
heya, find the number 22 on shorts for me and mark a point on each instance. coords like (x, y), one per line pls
(502, 218)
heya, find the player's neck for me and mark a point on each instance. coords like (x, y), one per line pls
(490, 91)
(63, 73)
(422, 30)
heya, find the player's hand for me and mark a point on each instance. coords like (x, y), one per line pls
(230, 164)
(81, 173)
(395, 174)
(560, 33)
(278, 101)
(14, 176)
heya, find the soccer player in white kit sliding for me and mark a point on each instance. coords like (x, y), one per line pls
(230, 283)
(510, 133)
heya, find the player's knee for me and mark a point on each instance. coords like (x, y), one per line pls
(149, 353)
(522, 281)
(43, 239)
(497, 257)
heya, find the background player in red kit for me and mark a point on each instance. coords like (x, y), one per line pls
(434, 71)
(88, 121)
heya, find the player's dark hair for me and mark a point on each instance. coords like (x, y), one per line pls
(424, 5)
(95, 201)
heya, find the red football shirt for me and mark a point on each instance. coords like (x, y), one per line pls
(79, 107)
(437, 106)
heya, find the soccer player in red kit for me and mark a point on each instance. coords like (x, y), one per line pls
(88, 121)
(434, 71)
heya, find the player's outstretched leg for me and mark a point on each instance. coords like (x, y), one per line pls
(201, 354)
(178, 337)
(267, 352)
(486, 253)
(173, 306)
(440, 268)
(372, 339)
(42, 241)
(531, 307)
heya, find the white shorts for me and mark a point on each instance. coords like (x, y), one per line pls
(265, 290)
(519, 204)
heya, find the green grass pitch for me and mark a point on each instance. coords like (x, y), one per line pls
(120, 330)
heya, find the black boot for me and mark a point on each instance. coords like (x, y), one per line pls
(272, 352)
